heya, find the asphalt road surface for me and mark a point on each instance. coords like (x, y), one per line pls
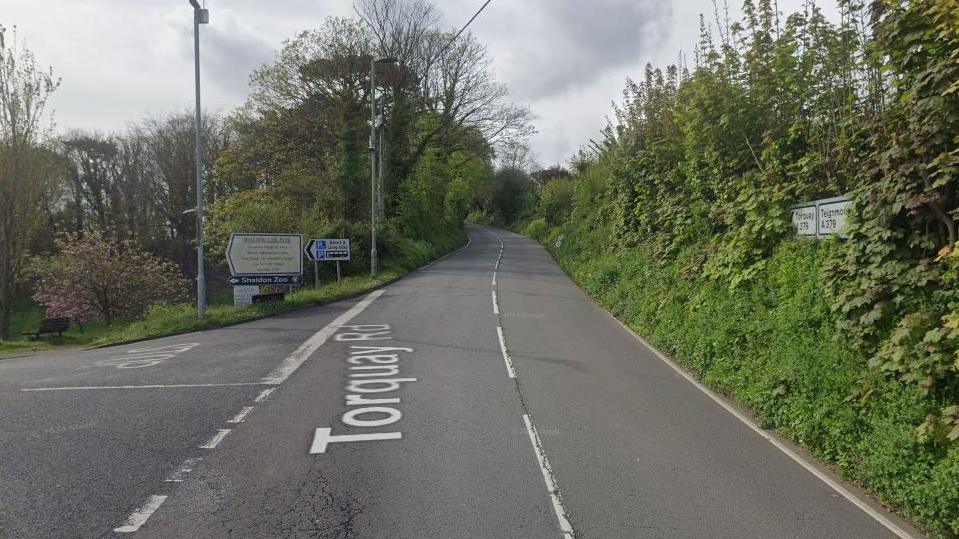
(482, 396)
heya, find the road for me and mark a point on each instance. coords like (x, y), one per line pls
(482, 396)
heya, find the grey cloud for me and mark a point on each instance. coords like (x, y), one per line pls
(231, 52)
(549, 47)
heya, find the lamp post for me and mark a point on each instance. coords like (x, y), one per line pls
(373, 64)
(200, 16)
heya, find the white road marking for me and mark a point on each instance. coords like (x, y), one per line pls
(155, 386)
(240, 416)
(494, 278)
(495, 304)
(841, 490)
(544, 467)
(141, 515)
(263, 394)
(185, 468)
(502, 346)
(322, 438)
(301, 354)
(216, 439)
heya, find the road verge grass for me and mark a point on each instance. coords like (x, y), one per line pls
(164, 319)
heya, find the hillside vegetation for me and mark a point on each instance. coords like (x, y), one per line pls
(677, 221)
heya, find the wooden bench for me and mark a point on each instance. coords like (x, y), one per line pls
(51, 326)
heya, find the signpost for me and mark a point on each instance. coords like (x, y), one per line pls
(257, 280)
(243, 295)
(821, 218)
(264, 259)
(320, 250)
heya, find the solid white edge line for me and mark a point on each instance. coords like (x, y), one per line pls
(140, 516)
(502, 346)
(841, 490)
(551, 487)
(216, 439)
(263, 394)
(495, 304)
(238, 418)
(301, 354)
(156, 386)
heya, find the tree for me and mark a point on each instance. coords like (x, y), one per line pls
(170, 167)
(28, 170)
(98, 277)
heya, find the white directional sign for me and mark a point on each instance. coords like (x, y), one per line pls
(320, 250)
(832, 217)
(821, 218)
(265, 254)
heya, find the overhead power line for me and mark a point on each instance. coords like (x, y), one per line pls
(480, 10)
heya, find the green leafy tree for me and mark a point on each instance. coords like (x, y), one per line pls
(29, 171)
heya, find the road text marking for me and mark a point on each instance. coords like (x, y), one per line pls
(323, 437)
(140, 516)
(373, 370)
(301, 354)
(216, 439)
(146, 357)
(544, 467)
(502, 346)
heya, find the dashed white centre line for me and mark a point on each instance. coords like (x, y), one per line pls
(502, 346)
(544, 467)
(185, 468)
(495, 304)
(141, 515)
(216, 439)
(238, 418)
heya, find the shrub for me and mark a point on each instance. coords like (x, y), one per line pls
(96, 277)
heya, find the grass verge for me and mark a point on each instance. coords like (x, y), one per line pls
(772, 345)
(164, 320)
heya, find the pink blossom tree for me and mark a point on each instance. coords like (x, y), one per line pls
(94, 277)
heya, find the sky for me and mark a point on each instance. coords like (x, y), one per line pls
(567, 60)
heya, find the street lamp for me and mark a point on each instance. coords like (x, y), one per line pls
(373, 64)
(200, 16)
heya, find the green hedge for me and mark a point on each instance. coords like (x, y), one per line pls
(773, 346)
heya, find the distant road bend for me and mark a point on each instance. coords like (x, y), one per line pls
(482, 396)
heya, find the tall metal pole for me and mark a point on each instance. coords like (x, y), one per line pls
(200, 16)
(373, 167)
(381, 150)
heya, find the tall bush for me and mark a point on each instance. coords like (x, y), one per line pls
(97, 277)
